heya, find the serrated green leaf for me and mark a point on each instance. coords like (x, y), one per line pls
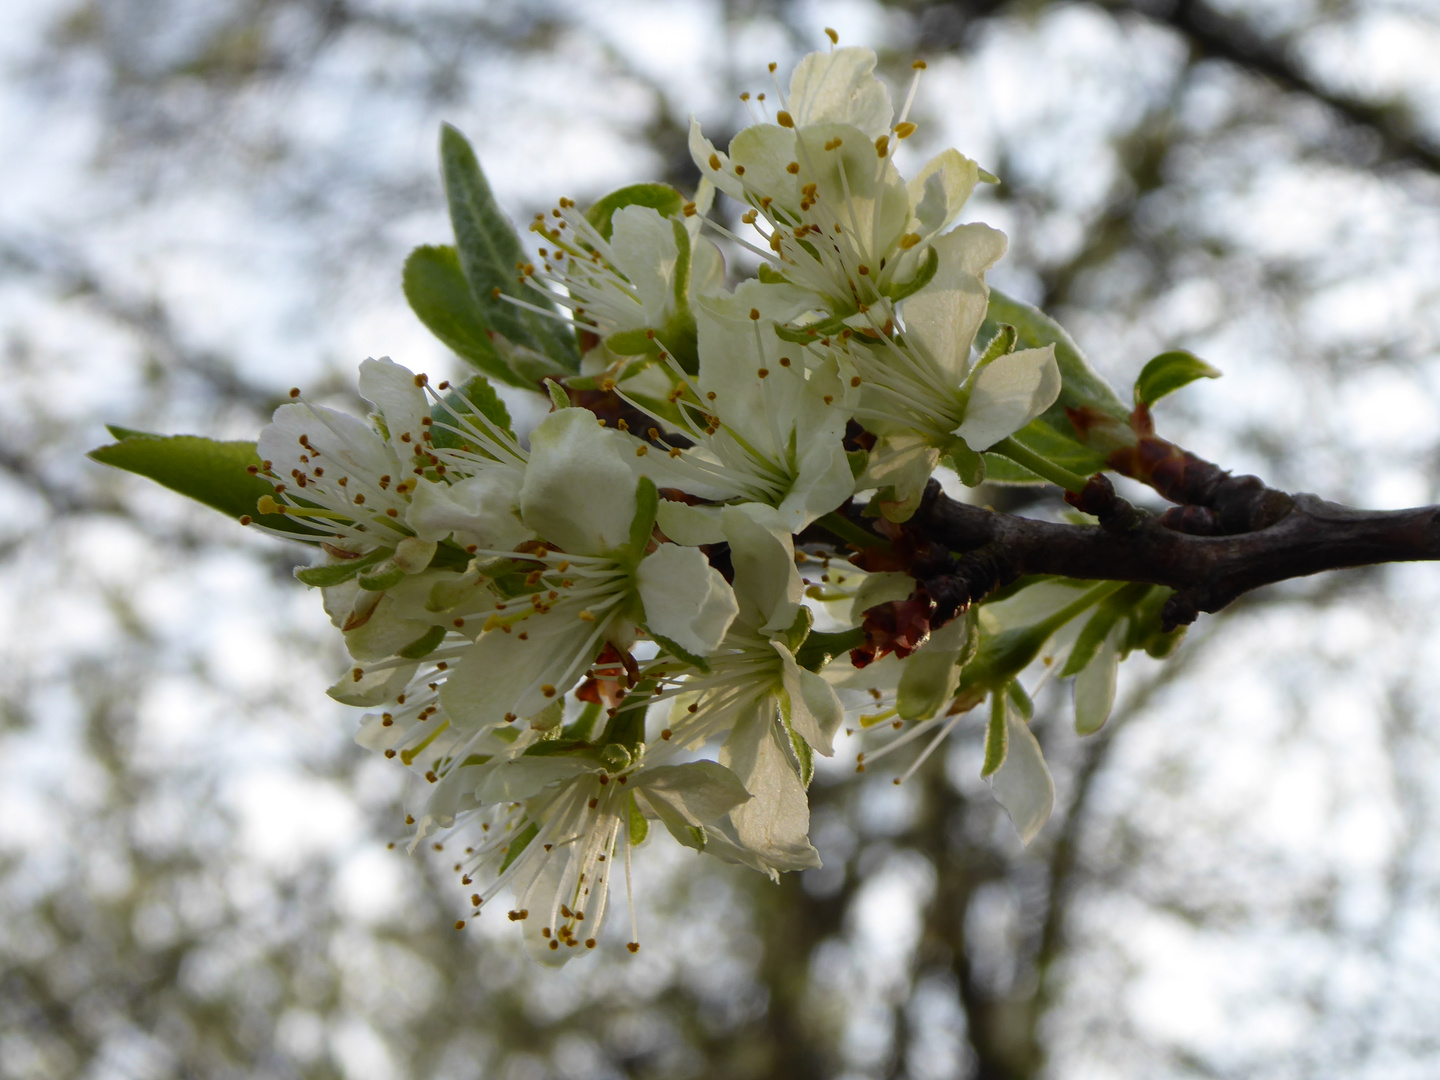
(660, 197)
(476, 396)
(206, 470)
(1052, 435)
(490, 253)
(1001, 470)
(1168, 372)
(438, 293)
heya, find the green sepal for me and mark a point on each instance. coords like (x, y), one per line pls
(425, 644)
(660, 197)
(558, 397)
(642, 525)
(1168, 372)
(639, 827)
(477, 395)
(1002, 344)
(384, 577)
(859, 460)
(1097, 627)
(804, 753)
(770, 276)
(1021, 700)
(997, 735)
(206, 470)
(490, 251)
(583, 726)
(337, 573)
(698, 662)
(968, 465)
(518, 845)
(820, 648)
(638, 342)
(924, 274)
(437, 291)
(795, 634)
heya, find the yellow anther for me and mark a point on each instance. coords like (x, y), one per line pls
(905, 130)
(784, 119)
(832, 35)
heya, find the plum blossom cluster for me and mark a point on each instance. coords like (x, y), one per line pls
(682, 586)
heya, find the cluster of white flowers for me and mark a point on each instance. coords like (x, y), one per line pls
(609, 627)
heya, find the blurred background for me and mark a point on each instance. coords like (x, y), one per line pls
(205, 203)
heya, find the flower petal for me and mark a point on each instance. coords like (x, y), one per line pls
(643, 248)
(775, 824)
(815, 709)
(579, 492)
(942, 318)
(1022, 785)
(767, 583)
(687, 601)
(396, 396)
(840, 87)
(483, 510)
(706, 157)
(1008, 394)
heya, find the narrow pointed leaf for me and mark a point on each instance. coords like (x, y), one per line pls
(490, 254)
(1168, 372)
(206, 470)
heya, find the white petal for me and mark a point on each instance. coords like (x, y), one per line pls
(703, 151)
(1095, 686)
(346, 445)
(767, 584)
(764, 151)
(691, 525)
(931, 675)
(940, 190)
(391, 388)
(579, 492)
(942, 318)
(504, 673)
(643, 248)
(1008, 394)
(1022, 785)
(840, 86)
(697, 792)
(483, 510)
(815, 710)
(687, 601)
(374, 687)
(904, 461)
(775, 823)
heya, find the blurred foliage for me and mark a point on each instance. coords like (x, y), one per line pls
(209, 202)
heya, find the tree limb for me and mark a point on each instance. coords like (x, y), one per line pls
(1207, 572)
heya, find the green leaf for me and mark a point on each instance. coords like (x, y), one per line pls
(476, 396)
(490, 254)
(660, 197)
(435, 286)
(1168, 372)
(997, 735)
(208, 471)
(1052, 435)
(1001, 470)
(519, 844)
